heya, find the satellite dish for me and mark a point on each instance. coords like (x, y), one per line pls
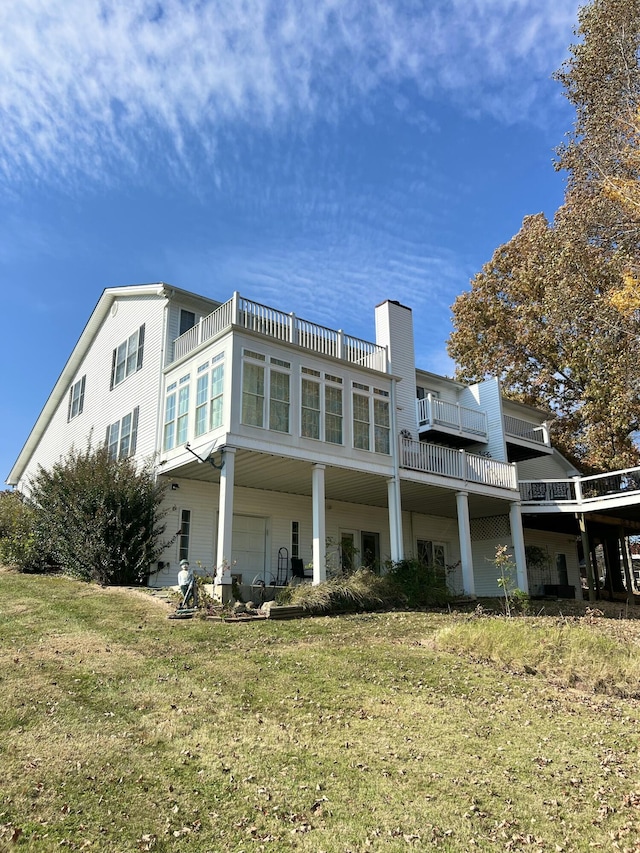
(205, 455)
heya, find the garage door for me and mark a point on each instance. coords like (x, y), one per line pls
(249, 546)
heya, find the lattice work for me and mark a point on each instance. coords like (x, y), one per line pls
(491, 527)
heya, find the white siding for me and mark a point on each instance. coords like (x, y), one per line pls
(394, 329)
(103, 406)
(487, 396)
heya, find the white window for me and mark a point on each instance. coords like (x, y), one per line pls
(76, 399)
(176, 414)
(265, 392)
(169, 434)
(321, 406)
(361, 418)
(127, 358)
(433, 555)
(371, 418)
(122, 436)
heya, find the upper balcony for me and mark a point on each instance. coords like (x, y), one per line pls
(252, 316)
(458, 424)
(525, 440)
(456, 464)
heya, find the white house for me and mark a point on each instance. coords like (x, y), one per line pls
(286, 440)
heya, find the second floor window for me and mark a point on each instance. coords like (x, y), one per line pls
(371, 419)
(265, 392)
(127, 358)
(176, 414)
(209, 395)
(321, 406)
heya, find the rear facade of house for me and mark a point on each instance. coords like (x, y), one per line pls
(287, 445)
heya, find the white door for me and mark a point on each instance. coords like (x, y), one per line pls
(249, 548)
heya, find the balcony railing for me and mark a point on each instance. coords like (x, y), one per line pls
(457, 464)
(517, 428)
(432, 411)
(580, 490)
(547, 491)
(287, 328)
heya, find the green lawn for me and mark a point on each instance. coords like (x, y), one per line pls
(123, 730)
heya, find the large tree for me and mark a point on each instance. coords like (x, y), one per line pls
(550, 313)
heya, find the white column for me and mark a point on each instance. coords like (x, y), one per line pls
(395, 520)
(517, 535)
(319, 535)
(225, 508)
(394, 498)
(464, 534)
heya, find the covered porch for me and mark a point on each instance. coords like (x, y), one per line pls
(303, 508)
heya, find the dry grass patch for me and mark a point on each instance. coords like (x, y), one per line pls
(334, 734)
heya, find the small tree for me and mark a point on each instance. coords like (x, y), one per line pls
(16, 530)
(99, 518)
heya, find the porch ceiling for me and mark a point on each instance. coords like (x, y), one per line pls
(263, 471)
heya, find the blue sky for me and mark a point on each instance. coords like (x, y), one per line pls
(317, 156)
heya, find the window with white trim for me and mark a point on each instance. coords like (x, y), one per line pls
(176, 414)
(266, 396)
(320, 406)
(433, 555)
(127, 358)
(361, 417)
(371, 418)
(76, 399)
(209, 395)
(122, 436)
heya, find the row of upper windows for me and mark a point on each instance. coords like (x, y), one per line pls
(266, 403)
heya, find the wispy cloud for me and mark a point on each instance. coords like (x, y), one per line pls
(85, 84)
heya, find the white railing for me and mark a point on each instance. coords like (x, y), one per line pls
(431, 412)
(581, 490)
(518, 428)
(272, 323)
(458, 464)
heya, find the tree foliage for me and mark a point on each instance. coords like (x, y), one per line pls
(16, 530)
(552, 314)
(99, 518)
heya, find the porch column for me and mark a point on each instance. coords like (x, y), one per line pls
(464, 534)
(225, 508)
(625, 562)
(319, 535)
(586, 550)
(395, 520)
(517, 535)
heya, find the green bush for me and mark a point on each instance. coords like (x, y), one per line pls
(421, 585)
(98, 518)
(17, 540)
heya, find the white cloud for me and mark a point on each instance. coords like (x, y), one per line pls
(85, 84)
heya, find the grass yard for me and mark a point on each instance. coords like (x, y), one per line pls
(122, 730)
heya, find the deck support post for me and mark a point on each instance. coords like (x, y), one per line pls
(225, 512)
(517, 536)
(586, 550)
(464, 534)
(319, 525)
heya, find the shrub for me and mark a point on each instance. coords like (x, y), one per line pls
(17, 540)
(420, 584)
(362, 590)
(98, 518)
